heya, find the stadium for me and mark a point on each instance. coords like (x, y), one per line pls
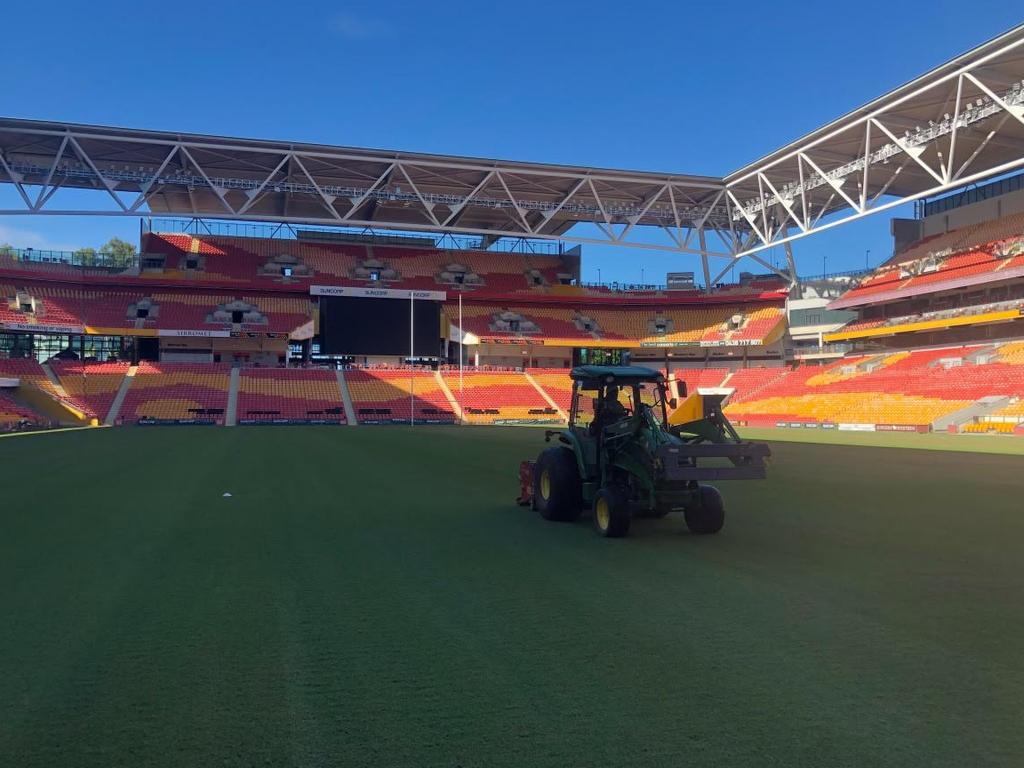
(335, 568)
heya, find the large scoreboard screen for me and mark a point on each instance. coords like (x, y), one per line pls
(351, 325)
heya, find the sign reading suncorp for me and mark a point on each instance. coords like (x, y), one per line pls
(366, 292)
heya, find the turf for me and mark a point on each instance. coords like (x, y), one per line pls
(967, 443)
(372, 597)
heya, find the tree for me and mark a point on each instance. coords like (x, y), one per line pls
(6, 250)
(86, 257)
(118, 252)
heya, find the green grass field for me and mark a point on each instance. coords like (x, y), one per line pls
(1006, 444)
(374, 597)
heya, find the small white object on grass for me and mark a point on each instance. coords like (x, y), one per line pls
(226, 495)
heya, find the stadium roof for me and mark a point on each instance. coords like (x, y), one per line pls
(899, 147)
(261, 176)
(958, 124)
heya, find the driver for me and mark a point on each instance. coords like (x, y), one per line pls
(611, 409)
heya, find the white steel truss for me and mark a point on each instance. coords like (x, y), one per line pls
(142, 174)
(961, 124)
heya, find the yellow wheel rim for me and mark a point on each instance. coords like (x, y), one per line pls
(545, 484)
(604, 516)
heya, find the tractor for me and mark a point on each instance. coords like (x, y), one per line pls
(633, 449)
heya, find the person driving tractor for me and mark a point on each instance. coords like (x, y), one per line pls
(609, 410)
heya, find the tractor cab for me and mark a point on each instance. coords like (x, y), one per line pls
(610, 403)
(604, 395)
(632, 449)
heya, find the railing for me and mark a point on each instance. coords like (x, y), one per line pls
(811, 279)
(198, 227)
(104, 262)
(946, 314)
(824, 349)
(616, 287)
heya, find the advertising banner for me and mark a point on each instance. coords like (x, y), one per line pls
(302, 422)
(195, 333)
(732, 343)
(366, 292)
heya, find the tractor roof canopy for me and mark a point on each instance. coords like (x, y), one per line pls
(614, 374)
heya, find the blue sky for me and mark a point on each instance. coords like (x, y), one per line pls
(688, 87)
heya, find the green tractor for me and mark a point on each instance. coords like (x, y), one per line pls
(632, 448)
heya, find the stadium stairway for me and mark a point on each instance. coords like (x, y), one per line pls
(58, 410)
(122, 392)
(13, 396)
(452, 401)
(51, 408)
(54, 379)
(231, 413)
(346, 399)
(971, 413)
(546, 396)
(982, 355)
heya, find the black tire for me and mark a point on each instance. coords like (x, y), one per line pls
(708, 516)
(556, 485)
(611, 515)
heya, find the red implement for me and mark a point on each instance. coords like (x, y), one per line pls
(525, 498)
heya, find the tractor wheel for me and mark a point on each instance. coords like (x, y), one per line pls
(556, 485)
(708, 515)
(611, 512)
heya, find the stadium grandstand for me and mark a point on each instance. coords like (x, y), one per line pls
(225, 329)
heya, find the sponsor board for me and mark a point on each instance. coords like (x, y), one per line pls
(196, 333)
(828, 426)
(177, 422)
(399, 422)
(284, 422)
(732, 343)
(679, 281)
(258, 335)
(512, 340)
(902, 428)
(523, 422)
(856, 427)
(669, 344)
(375, 293)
